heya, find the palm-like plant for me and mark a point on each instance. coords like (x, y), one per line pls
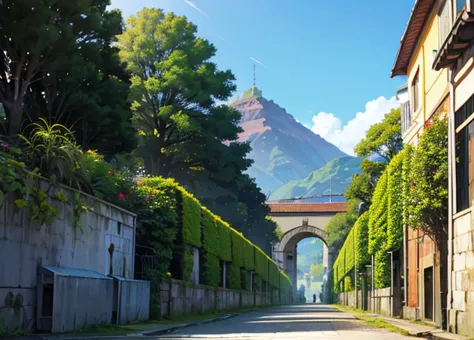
(52, 148)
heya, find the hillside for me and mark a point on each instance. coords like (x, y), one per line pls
(340, 170)
(283, 150)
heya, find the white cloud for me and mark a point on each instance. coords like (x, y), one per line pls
(257, 61)
(346, 137)
(193, 5)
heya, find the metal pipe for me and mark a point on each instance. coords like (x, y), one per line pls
(451, 187)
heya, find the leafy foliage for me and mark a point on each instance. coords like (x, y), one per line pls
(237, 248)
(427, 196)
(340, 225)
(317, 272)
(378, 216)
(52, 148)
(234, 276)
(225, 240)
(60, 64)
(210, 233)
(191, 227)
(384, 140)
(174, 89)
(211, 270)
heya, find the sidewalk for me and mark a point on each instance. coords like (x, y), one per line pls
(420, 330)
(129, 331)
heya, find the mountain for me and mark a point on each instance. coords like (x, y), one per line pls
(334, 177)
(283, 150)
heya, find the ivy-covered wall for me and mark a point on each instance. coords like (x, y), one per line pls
(377, 231)
(217, 241)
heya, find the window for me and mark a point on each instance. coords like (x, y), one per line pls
(444, 24)
(415, 92)
(460, 6)
(464, 156)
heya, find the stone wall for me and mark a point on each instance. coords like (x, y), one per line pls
(26, 244)
(461, 311)
(179, 298)
(379, 300)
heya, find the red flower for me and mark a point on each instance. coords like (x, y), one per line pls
(148, 197)
(111, 171)
(121, 195)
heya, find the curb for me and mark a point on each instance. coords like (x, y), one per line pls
(184, 325)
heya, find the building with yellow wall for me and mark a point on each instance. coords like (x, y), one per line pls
(428, 94)
(437, 55)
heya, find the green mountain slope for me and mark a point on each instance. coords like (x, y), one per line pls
(283, 150)
(340, 170)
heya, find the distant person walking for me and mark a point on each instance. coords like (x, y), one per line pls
(321, 297)
(314, 298)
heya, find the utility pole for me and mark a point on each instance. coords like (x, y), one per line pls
(330, 189)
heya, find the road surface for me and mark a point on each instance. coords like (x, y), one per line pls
(310, 321)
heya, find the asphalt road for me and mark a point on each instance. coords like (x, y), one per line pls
(311, 321)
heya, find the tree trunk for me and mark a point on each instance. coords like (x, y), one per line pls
(14, 123)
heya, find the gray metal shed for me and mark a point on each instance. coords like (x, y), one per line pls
(71, 298)
(131, 300)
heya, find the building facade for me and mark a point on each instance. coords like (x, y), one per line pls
(437, 55)
(456, 56)
(428, 96)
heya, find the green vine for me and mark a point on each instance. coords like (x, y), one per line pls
(79, 208)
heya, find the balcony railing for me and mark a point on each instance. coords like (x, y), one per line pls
(460, 37)
(406, 117)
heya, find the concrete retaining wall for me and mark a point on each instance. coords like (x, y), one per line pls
(178, 298)
(26, 244)
(133, 301)
(379, 300)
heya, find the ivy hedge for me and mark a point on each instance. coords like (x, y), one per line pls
(377, 231)
(191, 217)
(179, 224)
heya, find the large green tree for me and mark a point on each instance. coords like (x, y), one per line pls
(174, 93)
(382, 140)
(59, 63)
(183, 130)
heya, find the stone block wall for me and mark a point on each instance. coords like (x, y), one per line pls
(461, 310)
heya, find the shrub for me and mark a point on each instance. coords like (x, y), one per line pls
(261, 264)
(225, 242)
(210, 233)
(211, 270)
(234, 276)
(191, 227)
(249, 255)
(237, 248)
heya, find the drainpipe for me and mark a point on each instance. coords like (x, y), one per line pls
(451, 188)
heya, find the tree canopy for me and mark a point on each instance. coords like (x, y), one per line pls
(59, 63)
(427, 194)
(382, 140)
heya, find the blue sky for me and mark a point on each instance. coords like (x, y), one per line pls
(327, 62)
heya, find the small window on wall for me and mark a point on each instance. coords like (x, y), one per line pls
(415, 92)
(465, 156)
